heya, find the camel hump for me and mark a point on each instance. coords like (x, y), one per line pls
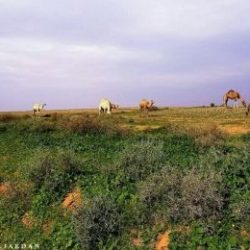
(231, 91)
(233, 94)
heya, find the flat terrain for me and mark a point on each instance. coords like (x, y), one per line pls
(232, 121)
(178, 178)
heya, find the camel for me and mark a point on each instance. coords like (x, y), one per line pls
(146, 105)
(233, 95)
(106, 106)
(38, 108)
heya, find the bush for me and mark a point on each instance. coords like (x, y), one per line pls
(201, 195)
(141, 159)
(236, 171)
(43, 127)
(161, 192)
(55, 173)
(207, 136)
(17, 198)
(37, 125)
(97, 221)
(3, 128)
(183, 197)
(241, 210)
(87, 125)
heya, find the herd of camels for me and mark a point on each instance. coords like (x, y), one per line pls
(106, 106)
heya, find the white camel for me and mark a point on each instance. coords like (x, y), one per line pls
(38, 108)
(106, 106)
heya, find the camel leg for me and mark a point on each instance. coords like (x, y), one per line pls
(235, 104)
(226, 102)
(248, 110)
(141, 111)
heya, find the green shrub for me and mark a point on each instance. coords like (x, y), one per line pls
(241, 210)
(55, 173)
(198, 237)
(36, 125)
(202, 195)
(97, 221)
(43, 127)
(139, 160)
(235, 170)
(183, 197)
(3, 128)
(16, 200)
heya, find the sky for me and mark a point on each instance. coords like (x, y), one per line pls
(69, 54)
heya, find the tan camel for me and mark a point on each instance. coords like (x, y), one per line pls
(146, 105)
(233, 95)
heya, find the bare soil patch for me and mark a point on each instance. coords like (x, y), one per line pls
(136, 240)
(6, 189)
(47, 226)
(73, 200)
(236, 130)
(29, 220)
(163, 241)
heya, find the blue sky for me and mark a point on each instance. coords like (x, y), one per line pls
(69, 54)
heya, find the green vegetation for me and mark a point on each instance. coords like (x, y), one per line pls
(191, 180)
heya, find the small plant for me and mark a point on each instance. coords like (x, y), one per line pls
(207, 136)
(55, 173)
(141, 159)
(241, 210)
(43, 127)
(201, 195)
(183, 197)
(97, 221)
(3, 128)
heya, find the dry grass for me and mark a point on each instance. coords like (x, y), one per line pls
(232, 121)
(85, 124)
(207, 135)
(7, 117)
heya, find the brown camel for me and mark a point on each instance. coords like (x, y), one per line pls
(146, 105)
(233, 95)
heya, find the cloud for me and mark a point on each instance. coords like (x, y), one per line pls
(49, 49)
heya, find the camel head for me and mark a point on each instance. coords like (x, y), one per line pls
(113, 106)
